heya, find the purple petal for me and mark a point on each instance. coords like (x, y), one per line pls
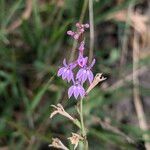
(76, 92)
(81, 91)
(79, 73)
(84, 77)
(64, 63)
(92, 64)
(70, 91)
(64, 74)
(82, 61)
(72, 65)
(60, 71)
(70, 76)
(90, 76)
(86, 59)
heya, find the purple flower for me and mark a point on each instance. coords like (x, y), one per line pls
(82, 61)
(76, 90)
(66, 71)
(85, 73)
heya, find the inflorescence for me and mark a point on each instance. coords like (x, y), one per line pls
(84, 73)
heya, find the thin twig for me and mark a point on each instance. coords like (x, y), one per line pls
(91, 30)
(136, 92)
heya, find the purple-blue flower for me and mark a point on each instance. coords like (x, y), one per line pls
(82, 61)
(66, 71)
(76, 90)
(85, 73)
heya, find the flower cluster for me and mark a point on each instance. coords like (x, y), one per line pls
(84, 72)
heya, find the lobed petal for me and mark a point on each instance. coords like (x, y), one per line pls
(70, 76)
(60, 71)
(84, 76)
(79, 73)
(76, 92)
(93, 63)
(70, 91)
(90, 76)
(72, 65)
(64, 75)
(81, 91)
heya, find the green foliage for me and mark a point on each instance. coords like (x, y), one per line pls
(29, 58)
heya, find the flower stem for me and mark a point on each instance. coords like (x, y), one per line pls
(82, 125)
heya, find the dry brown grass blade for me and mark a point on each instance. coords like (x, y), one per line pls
(26, 14)
(136, 92)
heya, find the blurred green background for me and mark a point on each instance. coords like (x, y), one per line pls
(33, 43)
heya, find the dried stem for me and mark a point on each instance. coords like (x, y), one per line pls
(91, 30)
(136, 92)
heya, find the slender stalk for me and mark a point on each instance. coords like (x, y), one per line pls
(83, 130)
(91, 30)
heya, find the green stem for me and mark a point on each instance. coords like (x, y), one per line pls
(82, 125)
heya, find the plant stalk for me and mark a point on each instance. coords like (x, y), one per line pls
(83, 130)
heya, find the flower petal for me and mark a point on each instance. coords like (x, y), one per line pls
(79, 73)
(81, 91)
(84, 76)
(72, 65)
(64, 75)
(90, 76)
(92, 64)
(76, 92)
(70, 91)
(60, 71)
(70, 76)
